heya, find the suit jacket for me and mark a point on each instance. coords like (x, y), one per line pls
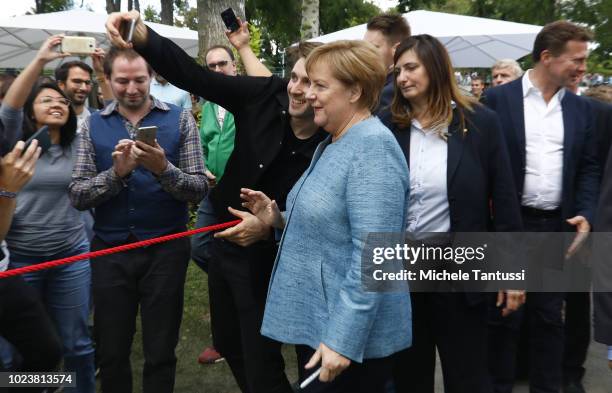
(478, 173)
(580, 186)
(602, 121)
(354, 186)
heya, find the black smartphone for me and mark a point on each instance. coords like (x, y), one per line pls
(230, 20)
(43, 138)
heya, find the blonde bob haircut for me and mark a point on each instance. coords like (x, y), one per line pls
(354, 63)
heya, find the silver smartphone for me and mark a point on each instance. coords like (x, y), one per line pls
(147, 135)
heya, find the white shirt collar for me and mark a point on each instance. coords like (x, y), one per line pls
(529, 87)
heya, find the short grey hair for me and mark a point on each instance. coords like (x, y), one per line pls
(513, 65)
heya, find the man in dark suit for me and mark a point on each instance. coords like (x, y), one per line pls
(578, 301)
(552, 155)
(602, 269)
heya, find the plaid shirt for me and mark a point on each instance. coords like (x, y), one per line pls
(186, 182)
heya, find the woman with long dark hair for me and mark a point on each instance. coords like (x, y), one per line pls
(460, 179)
(45, 225)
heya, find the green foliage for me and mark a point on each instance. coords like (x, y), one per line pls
(185, 16)
(340, 14)
(151, 14)
(279, 21)
(255, 39)
(45, 6)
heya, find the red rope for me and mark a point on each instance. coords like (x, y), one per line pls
(113, 250)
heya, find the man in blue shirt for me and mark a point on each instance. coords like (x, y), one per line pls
(168, 93)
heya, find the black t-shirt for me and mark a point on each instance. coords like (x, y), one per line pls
(292, 160)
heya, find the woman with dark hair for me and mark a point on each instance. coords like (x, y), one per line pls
(45, 225)
(460, 181)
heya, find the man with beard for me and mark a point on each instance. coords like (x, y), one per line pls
(275, 140)
(140, 191)
(75, 79)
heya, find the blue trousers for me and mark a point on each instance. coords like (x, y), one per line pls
(201, 243)
(66, 291)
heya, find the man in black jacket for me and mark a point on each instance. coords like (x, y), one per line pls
(274, 142)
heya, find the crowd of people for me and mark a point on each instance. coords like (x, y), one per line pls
(368, 136)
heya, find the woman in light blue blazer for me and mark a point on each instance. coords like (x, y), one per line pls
(357, 183)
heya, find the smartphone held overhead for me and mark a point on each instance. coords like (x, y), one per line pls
(127, 29)
(78, 45)
(230, 20)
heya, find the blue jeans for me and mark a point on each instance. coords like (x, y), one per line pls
(66, 291)
(201, 243)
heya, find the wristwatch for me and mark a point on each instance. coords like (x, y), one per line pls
(7, 194)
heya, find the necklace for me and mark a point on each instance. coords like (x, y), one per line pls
(348, 125)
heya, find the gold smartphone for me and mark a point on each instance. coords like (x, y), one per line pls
(147, 135)
(78, 45)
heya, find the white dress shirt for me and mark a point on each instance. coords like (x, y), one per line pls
(543, 147)
(428, 209)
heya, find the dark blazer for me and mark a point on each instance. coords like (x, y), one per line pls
(580, 168)
(602, 246)
(478, 173)
(602, 125)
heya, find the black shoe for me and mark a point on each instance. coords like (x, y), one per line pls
(573, 387)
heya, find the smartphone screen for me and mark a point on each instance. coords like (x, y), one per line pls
(230, 20)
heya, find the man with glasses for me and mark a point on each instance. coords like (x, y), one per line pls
(75, 79)
(217, 131)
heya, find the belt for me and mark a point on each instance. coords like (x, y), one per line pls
(533, 212)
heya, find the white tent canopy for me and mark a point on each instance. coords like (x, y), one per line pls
(470, 41)
(21, 36)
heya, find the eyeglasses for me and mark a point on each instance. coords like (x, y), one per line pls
(79, 82)
(220, 64)
(48, 100)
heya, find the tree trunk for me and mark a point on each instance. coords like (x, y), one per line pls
(211, 29)
(167, 12)
(113, 6)
(310, 19)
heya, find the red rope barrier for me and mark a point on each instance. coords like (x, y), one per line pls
(113, 250)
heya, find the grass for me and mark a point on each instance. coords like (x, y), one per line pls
(191, 377)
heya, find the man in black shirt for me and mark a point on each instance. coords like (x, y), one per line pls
(274, 143)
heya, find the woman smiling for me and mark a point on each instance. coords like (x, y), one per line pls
(356, 184)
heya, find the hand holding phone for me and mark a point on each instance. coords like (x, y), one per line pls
(230, 20)
(43, 138)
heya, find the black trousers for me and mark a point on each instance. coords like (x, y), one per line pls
(238, 280)
(577, 335)
(458, 329)
(25, 324)
(371, 376)
(152, 277)
(545, 328)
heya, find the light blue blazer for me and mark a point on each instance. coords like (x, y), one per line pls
(356, 185)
